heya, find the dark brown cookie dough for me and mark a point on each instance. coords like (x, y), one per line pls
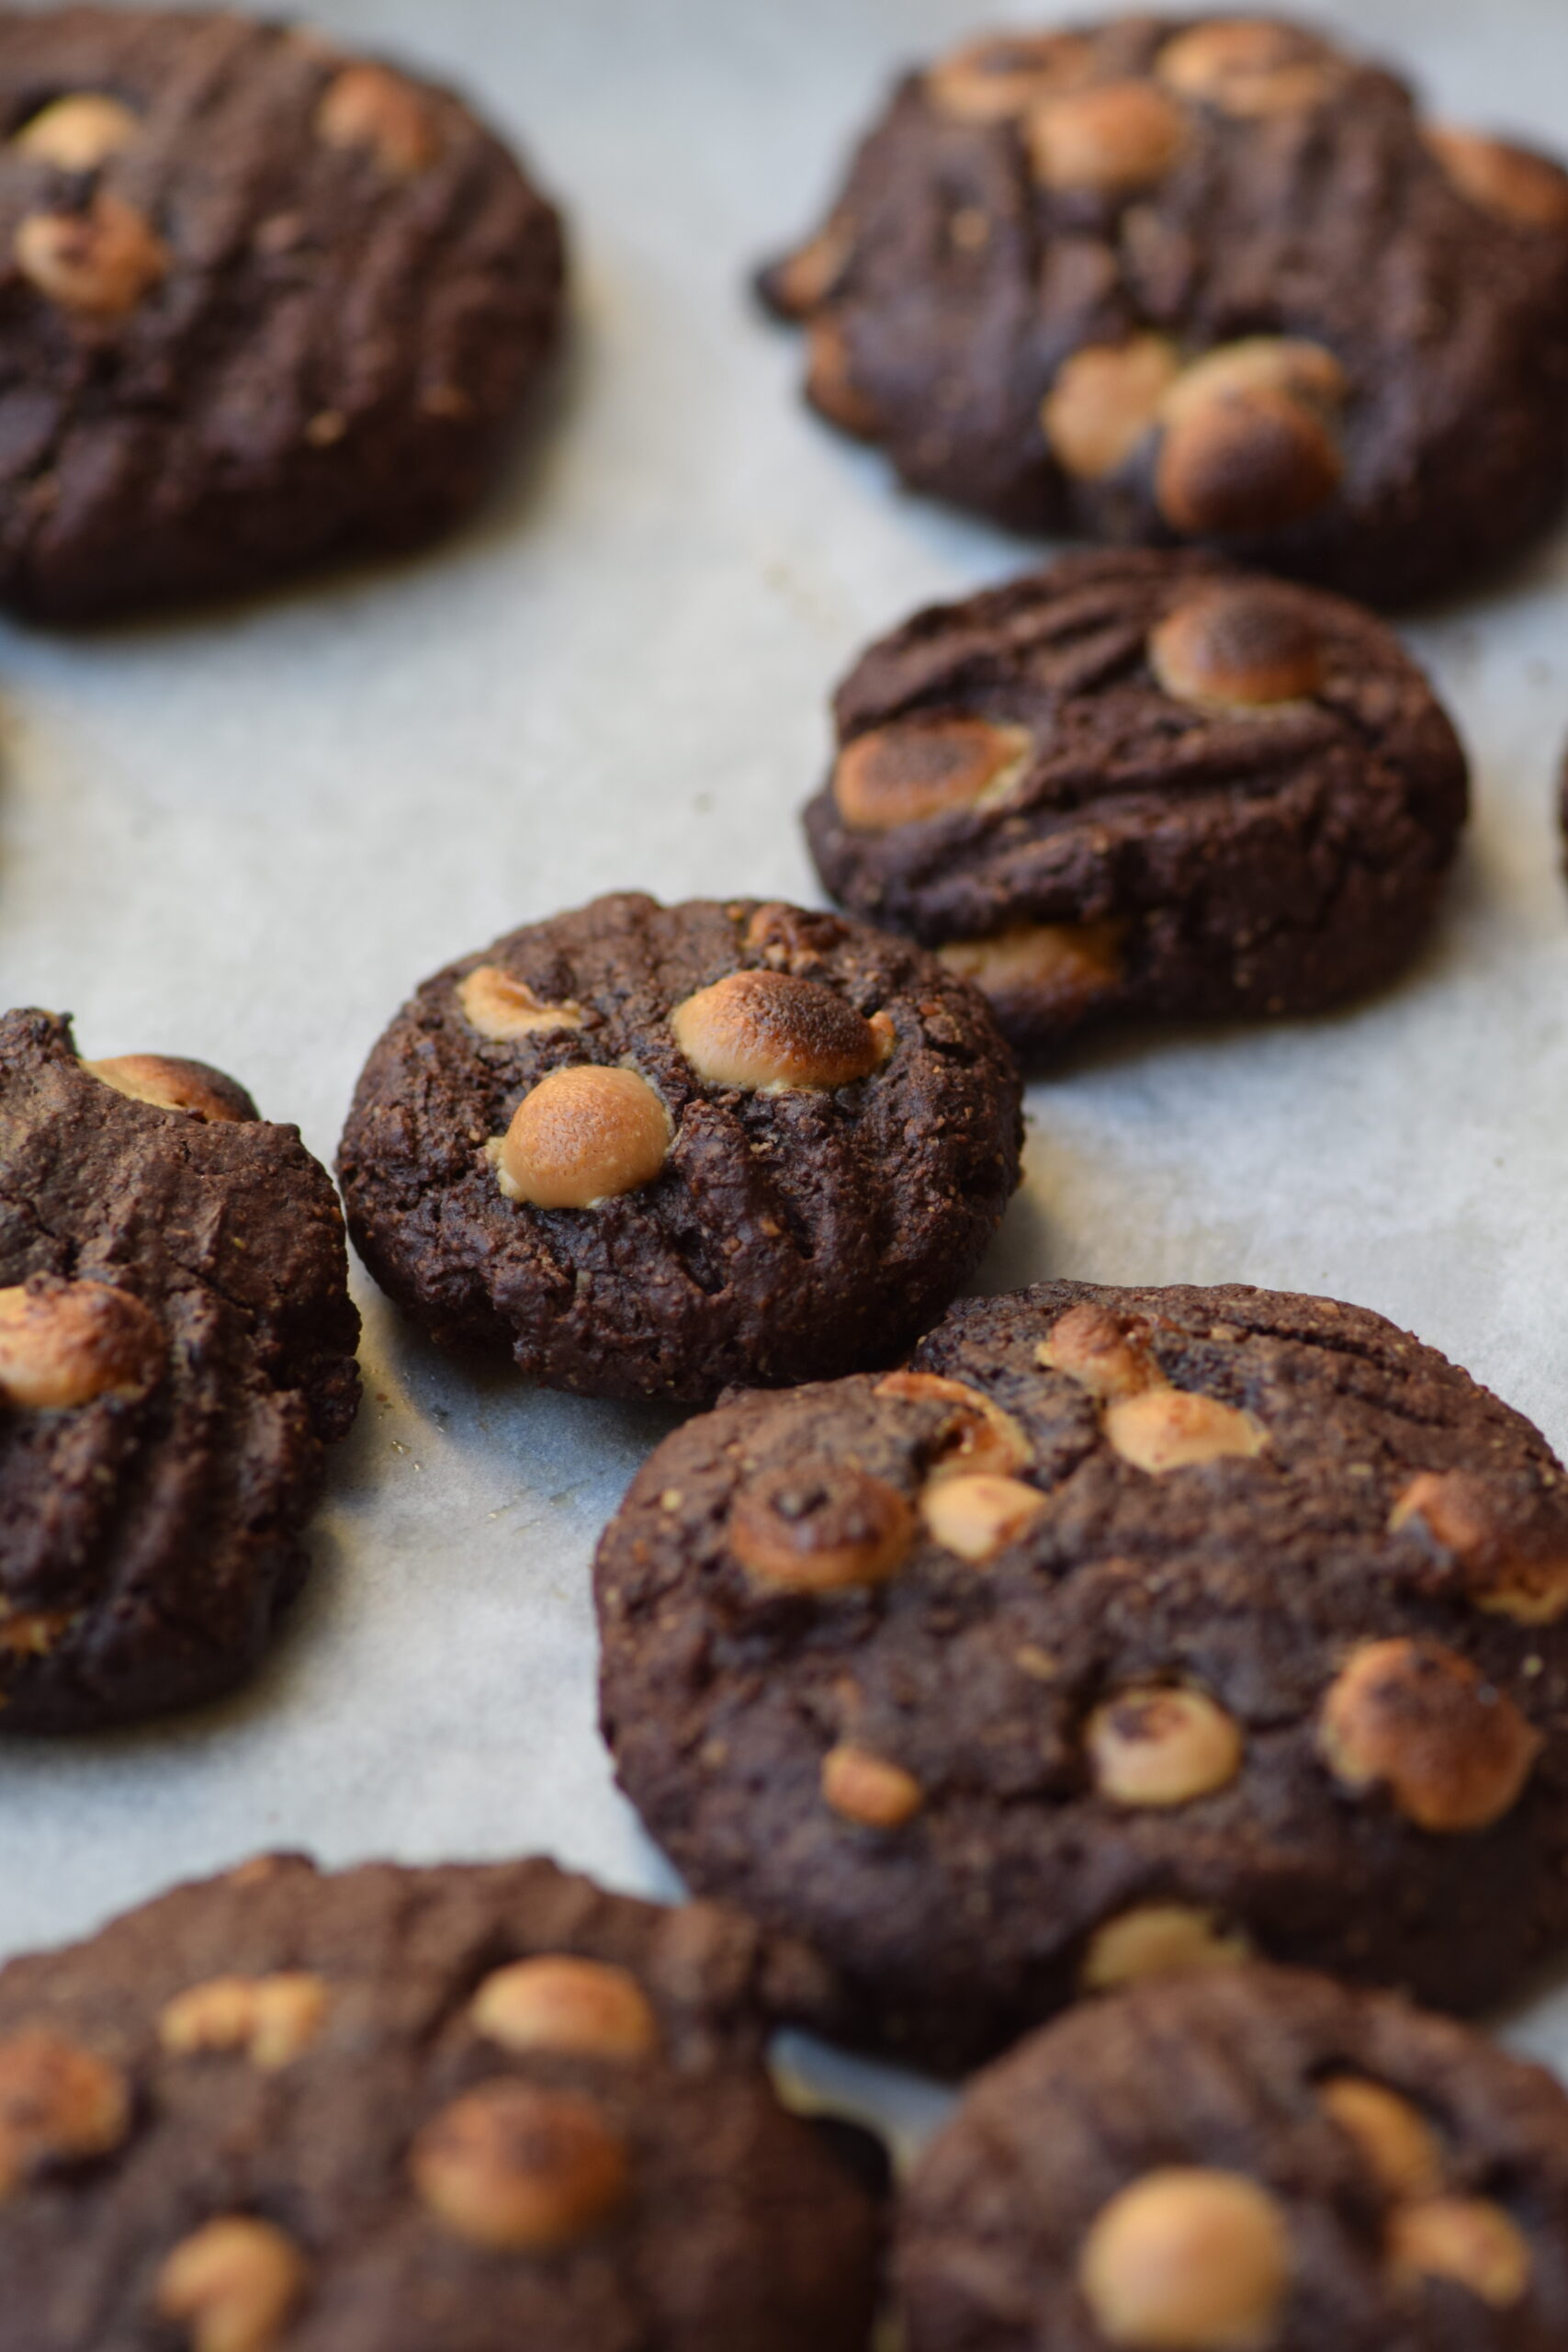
(658, 1149)
(176, 1350)
(264, 304)
(1127, 1629)
(1143, 783)
(1175, 278)
(441, 2110)
(1262, 2159)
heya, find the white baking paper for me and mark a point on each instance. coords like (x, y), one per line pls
(245, 837)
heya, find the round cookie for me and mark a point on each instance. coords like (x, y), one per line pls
(440, 2111)
(1143, 783)
(268, 304)
(1262, 2159)
(1179, 279)
(1126, 1630)
(655, 1150)
(176, 1351)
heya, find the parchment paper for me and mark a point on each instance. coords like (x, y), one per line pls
(245, 837)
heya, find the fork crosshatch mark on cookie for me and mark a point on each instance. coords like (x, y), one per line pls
(269, 304)
(1144, 784)
(1124, 1631)
(1178, 279)
(653, 1150)
(437, 2110)
(177, 1353)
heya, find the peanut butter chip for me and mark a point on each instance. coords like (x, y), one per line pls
(1503, 1574)
(78, 134)
(1158, 1746)
(772, 1032)
(1165, 1429)
(234, 2285)
(369, 107)
(868, 1791)
(172, 1085)
(273, 2019)
(1188, 2260)
(66, 1345)
(583, 1135)
(1507, 182)
(1467, 2240)
(100, 262)
(921, 768)
(1247, 648)
(59, 2103)
(518, 2168)
(1452, 1749)
(1101, 1352)
(1109, 140)
(978, 1516)
(820, 1526)
(502, 1008)
(579, 2006)
(1158, 1940)
(1394, 2140)
(1105, 400)
(1252, 461)
(1060, 967)
(1250, 66)
(989, 80)
(973, 1434)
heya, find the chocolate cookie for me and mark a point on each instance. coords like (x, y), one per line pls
(1199, 279)
(1143, 783)
(1264, 2160)
(1126, 1629)
(176, 1351)
(658, 1149)
(442, 2111)
(267, 304)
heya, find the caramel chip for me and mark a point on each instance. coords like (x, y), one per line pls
(274, 2020)
(1395, 2141)
(369, 107)
(518, 2168)
(78, 134)
(1000, 75)
(59, 2103)
(234, 2285)
(1452, 1749)
(974, 1434)
(1188, 2260)
(1514, 1564)
(1162, 1746)
(820, 1526)
(1466, 2239)
(1158, 1940)
(583, 1135)
(1246, 462)
(1062, 968)
(100, 264)
(1107, 399)
(1103, 1352)
(173, 1085)
(66, 1344)
(1111, 138)
(1250, 66)
(1508, 181)
(1162, 1430)
(977, 1516)
(502, 1008)
(869, 1791)
(772, 1032)
(1248, 647)
(830, 383)
(919, 768)
(558, 2003)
